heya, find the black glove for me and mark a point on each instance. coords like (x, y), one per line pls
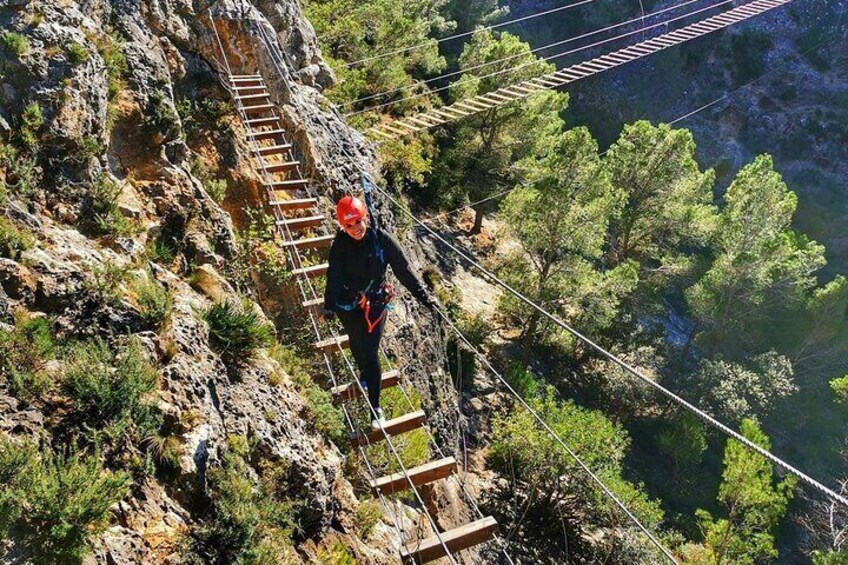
(327, 314)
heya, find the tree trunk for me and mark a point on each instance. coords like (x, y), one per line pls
(478, 221)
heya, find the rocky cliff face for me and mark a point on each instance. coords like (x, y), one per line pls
(107, 169)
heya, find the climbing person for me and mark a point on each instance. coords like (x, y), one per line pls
(357, 291)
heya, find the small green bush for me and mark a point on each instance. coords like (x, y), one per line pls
(23, 354)
(31, 122)
(109, 388)
(116, 71)
(14, 43)
(22, 173)
(217, 189)
(77, 53)
(236, 331)
(13, 240)
(160, 116)
(248, 523)
(101, 214)
(154, 301)
(367, 516)
(107, 282)
(201, 114)
(327, 418)
(53, 504)
(840, 389)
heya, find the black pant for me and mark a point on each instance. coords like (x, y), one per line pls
(365, 348)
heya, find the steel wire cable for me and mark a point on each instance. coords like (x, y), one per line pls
(710, 420)
(676, 120)
(519, 55)
(467, 33)
(466, 80)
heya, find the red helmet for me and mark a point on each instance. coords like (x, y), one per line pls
(350, 208)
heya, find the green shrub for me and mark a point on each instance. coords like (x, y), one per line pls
(162, 249)
(101, 214)
(327, 418)
(31, 122)
(107, 282)
(217, 189)
(201, 114)
(160, 117)
(14, 43)
(23, 354)
(840, 389)
(522, 380)
(248, 523)
(367, 516)
(476, 328)
(22, 172)
(154, 301)
(13, 240)
(236, 331)
(109, 388)
(77, 53)
(116, 71)
(53, 504)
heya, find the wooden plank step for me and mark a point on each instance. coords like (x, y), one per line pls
(267, 134)
(275, 149)
(301, 223)
(291, 184)
(247, 82)
(405, 423)
(420, 475)
(313, 302)
(254, 76)
(281, 167)
(331, 344)
(313, 271)
(457, 539)
(258, 109)
(294, 203)
(311, 242)
(249, 97)
(262, 121)
(350, 391)
(240, 88)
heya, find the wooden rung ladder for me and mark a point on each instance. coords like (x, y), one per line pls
(310, 242)
(457, 539)
(275, 149)
(281, 167)
(350, 391)
(301, 223)
(420, 475)
(289, 184)
(393, 427)
(294, 203)
(331, 344)
(313, 271)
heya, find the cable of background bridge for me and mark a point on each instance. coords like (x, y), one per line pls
(357, 383)
(618, 361)
(518, 55)
(467, 33)
(678, 119)
(466, 80)
(556, 437)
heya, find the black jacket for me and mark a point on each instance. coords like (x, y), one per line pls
(355, 264)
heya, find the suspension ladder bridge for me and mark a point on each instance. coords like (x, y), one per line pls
(305, 233)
